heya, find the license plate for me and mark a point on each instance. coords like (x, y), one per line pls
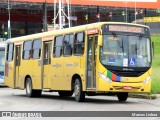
(127, 87)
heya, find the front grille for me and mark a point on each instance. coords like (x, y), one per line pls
(128, 73)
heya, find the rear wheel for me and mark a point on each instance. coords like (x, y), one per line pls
(79, 94)
(65, 93)
(29, 89)
(122, 96)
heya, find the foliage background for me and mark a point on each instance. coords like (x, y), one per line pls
(155, 87)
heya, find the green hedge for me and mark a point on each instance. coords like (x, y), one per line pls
(155, 87)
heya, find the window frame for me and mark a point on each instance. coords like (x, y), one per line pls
(10, 52)
(30, 50)
(39, 48)
(70, 44)
(54, 46)
(76, 41)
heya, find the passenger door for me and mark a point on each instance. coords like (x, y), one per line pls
(91, 61)
(17, 64)
(47, 46)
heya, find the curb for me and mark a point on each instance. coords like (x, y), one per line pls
(143, 96)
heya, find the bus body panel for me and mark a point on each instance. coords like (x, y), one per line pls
(34, 72)
(63, 69)
(9, 74)
(37, 74)
(46, 77)
(57, 74)
(26, 70)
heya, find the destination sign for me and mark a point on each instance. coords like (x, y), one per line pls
(92, 31)
(120, 28)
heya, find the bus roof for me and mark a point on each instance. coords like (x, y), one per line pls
(66, 31)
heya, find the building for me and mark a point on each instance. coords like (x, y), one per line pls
(27, 16)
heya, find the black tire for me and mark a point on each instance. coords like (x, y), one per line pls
(79, 94)
(29, 89)
(65, 93)
(122, 96)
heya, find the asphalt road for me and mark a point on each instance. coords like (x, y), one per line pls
(16, 100)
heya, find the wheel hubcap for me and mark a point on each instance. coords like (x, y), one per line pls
(28, 88)
(76, 90)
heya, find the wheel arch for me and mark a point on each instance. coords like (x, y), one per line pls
(74, 79)
(25, 79)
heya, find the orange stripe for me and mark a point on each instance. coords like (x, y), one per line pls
(102, 3)
(113, 77)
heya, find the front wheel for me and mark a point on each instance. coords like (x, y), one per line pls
(29, 89)
(79, 94)
(122, 96)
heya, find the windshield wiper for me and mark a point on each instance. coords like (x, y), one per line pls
(114, 34)
(121, 46)
(140, 40)
(140, 37)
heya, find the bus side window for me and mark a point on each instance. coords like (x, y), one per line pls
(37, 48)
(27, 48)
(68, 44)
(10, 52)
(57, 46)
(79, 44)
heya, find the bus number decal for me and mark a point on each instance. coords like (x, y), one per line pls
(56, 65)
(76, 64)
(69, 65)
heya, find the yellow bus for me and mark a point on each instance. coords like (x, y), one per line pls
(93, 59)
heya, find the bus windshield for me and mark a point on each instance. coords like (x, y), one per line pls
(125, 51)
(2, 62)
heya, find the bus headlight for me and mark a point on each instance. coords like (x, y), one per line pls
(104, 77)
(147, 80)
